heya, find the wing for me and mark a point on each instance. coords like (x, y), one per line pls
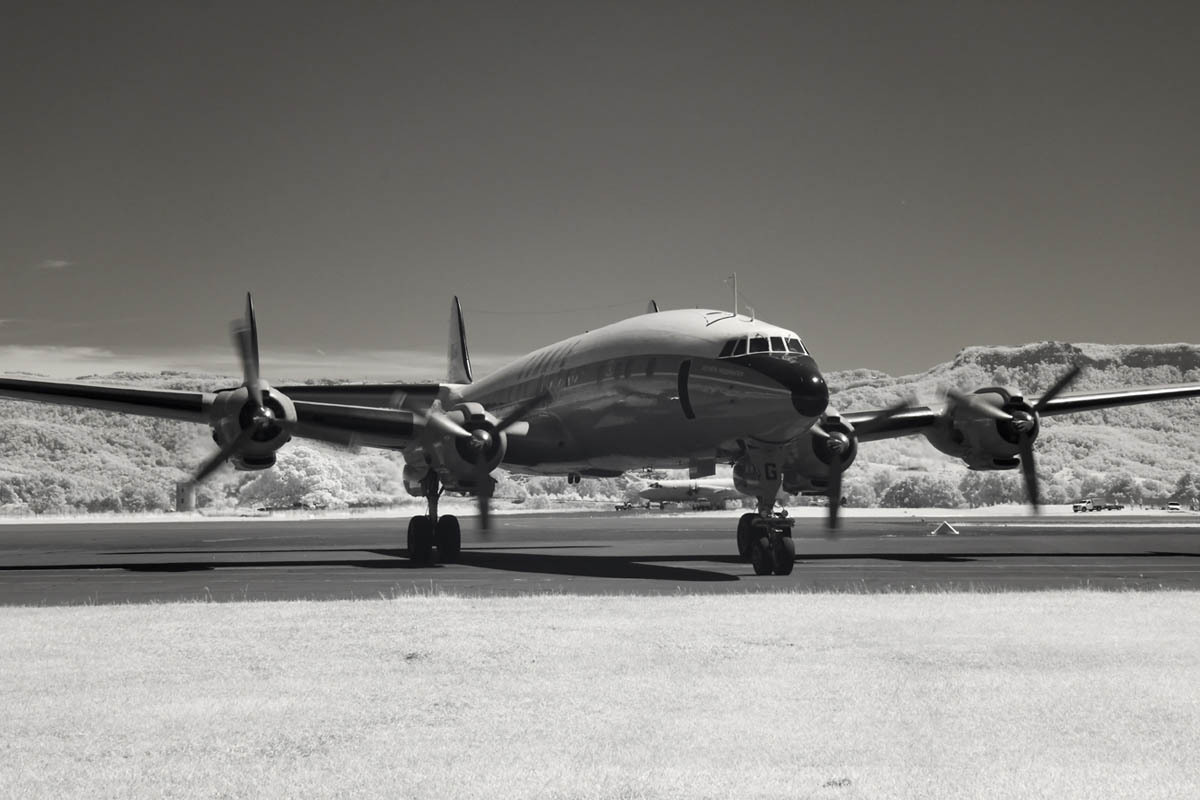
(339, 423)
(1093, 401)
(186, 406)
(904, 423)
(410, 396)
(916, 418)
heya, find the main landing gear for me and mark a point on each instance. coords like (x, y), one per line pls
(766, 539)
(429, 531)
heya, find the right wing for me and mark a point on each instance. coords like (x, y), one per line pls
(916, 418)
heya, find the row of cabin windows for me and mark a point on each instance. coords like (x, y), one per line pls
(590, 373)
(761, 344)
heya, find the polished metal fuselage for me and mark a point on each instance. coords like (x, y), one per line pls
(645, 391)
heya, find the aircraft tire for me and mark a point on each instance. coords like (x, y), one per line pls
(744, 536)
(760, 556)
(783, 553)
(449, 538)
(420, 540)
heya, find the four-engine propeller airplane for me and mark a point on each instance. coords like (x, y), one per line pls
(685, 388)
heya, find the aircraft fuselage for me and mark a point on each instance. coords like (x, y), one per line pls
(662, 389)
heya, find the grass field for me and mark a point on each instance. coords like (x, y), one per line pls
(1075, 694)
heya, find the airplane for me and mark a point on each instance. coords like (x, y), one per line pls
(712, 492)
(683, 388)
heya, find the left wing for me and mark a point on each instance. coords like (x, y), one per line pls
(338, 423)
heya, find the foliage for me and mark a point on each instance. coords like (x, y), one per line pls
(56, 459)
(922, 491)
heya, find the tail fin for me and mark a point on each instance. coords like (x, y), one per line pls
(460, 360)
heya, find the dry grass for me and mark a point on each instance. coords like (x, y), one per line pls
(842, 696)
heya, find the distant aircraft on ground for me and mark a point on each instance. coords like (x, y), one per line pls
(711, 492)
(670, 389)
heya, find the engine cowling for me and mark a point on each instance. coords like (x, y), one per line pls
(461, 463)
(233, 412)
(809, 472)
(967, 430)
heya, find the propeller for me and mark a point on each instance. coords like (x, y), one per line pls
(1026, 426)
(245, 341)
(482, 441)
(976, 403)
(838, 443)
(1024, 421)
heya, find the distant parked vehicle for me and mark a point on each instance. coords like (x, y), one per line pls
(1096, 505)
(1174, 507)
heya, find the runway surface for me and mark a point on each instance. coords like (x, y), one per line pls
(613, 553)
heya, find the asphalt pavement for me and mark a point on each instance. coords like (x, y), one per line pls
(590, 553)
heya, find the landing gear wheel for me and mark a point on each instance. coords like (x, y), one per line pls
(760, 556)
(744, 536)
(420, 540)
(449, 538)
(783, 553)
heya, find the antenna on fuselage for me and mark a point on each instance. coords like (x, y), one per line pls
(733, 279)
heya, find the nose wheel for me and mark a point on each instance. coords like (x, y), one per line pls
(767, 543)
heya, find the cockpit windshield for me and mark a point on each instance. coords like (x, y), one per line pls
(762, 344)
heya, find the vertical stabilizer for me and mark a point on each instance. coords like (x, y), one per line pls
(460, 360)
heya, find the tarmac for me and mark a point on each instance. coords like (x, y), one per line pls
(586, 553)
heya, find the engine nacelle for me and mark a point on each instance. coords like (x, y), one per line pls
(807, 470)
(233, 412)
(808, 473)
(462, 463)
(983, 442)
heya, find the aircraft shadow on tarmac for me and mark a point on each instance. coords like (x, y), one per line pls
(644, 567)
(552, 564)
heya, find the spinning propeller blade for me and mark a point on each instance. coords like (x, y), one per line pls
(483, 480)
(839, 443)
(245, 342)
(1027, 435)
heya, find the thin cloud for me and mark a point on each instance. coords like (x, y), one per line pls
(55, 264)
(278, 366)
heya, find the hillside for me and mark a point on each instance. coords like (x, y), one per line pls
(1079, 454)
(55, 459)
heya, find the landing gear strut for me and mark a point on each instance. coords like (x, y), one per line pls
(765, 538)
(427, 531)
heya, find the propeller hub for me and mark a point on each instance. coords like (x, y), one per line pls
(481, 439)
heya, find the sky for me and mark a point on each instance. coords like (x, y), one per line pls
(895, 181)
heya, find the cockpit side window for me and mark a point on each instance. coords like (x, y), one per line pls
(796, 347)
(759, 344)
(727, 350)
(739, 347)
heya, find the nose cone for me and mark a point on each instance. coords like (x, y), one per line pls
(810, 395)
(798, 374)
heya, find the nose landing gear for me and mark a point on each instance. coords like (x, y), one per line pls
(765, 538)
